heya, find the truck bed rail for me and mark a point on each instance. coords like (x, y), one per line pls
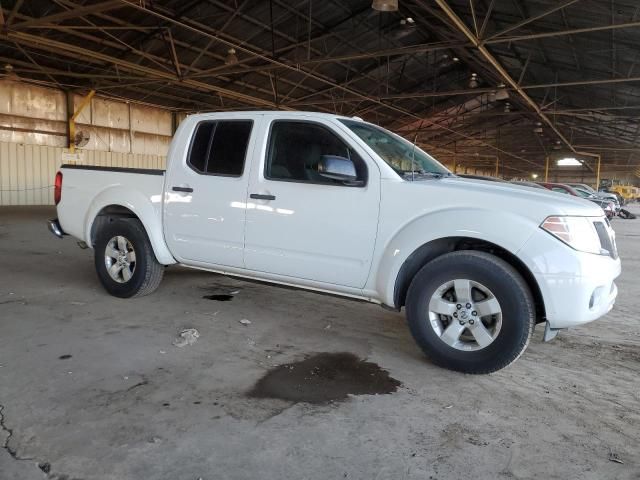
(145, 171)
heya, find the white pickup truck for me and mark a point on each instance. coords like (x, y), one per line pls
(338, 205)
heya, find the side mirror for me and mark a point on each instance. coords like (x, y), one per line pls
(337, 168)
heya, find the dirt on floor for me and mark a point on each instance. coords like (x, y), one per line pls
(93, 387)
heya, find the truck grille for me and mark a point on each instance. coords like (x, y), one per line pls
(607, 238)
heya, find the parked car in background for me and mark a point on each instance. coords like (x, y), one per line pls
(481, 177)
(500, 180)
(527, 184)
(560, 188)
(339, 205)
(605, 201)
(584, 186)
(607, 205)
(620, 198)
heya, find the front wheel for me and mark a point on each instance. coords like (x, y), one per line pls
(124, 259)
(470, 311)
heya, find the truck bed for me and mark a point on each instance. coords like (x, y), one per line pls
(87, 189)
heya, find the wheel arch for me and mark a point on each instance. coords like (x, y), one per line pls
(106, 215)
(123, 203)
(435, 248)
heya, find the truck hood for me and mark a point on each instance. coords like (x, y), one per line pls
(528, 201)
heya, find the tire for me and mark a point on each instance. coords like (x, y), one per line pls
(486, 342)
(143, 272)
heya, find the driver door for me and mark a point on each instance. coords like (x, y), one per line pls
(301, 224)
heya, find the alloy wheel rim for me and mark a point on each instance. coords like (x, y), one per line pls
(465, 315)
(120, 259)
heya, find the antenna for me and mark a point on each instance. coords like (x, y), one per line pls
(413, 151)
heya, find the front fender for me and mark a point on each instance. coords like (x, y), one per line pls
(506, 230)
(147, 209)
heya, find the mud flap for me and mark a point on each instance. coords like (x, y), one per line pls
(549, 333)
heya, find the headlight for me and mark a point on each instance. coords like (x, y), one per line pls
(577, 232)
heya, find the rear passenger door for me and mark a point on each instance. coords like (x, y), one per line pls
(204, 213)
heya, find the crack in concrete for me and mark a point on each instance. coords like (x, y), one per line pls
(142, 383)
(43, 466)
(9, 431)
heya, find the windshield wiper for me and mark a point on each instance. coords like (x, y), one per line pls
(411, 175)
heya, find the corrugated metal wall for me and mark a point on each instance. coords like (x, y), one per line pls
(27, 171)
(33, 137)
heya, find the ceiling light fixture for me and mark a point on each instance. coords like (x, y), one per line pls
(385, 5)
(569, 162)
(10, 74)
(408, 22)
(232, 58)
(502, 93)
(473, 83)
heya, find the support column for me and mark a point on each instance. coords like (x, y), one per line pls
(546, 169)
(72, 121)
(69, 98)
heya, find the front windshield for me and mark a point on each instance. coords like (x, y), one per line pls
(407, 160)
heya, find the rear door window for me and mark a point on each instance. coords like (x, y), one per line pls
(220, 148)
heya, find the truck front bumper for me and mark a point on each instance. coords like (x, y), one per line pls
(576, 287)
(55, 228)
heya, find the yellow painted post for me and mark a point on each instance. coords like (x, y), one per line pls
(598, 174)
(72, 121)
(546, 170)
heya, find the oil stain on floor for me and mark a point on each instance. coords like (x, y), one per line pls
(323, 378)
(219, 298)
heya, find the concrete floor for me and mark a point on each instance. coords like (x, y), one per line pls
(129, 405)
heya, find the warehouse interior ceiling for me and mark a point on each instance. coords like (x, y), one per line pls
(478, 81)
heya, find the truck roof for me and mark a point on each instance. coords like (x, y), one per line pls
(295, 113)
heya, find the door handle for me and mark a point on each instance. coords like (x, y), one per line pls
(260, 196)
(182, 189)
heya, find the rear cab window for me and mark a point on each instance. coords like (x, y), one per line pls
(220, 147)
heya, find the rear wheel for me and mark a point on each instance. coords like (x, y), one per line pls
(470, 311)
(124, 259)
